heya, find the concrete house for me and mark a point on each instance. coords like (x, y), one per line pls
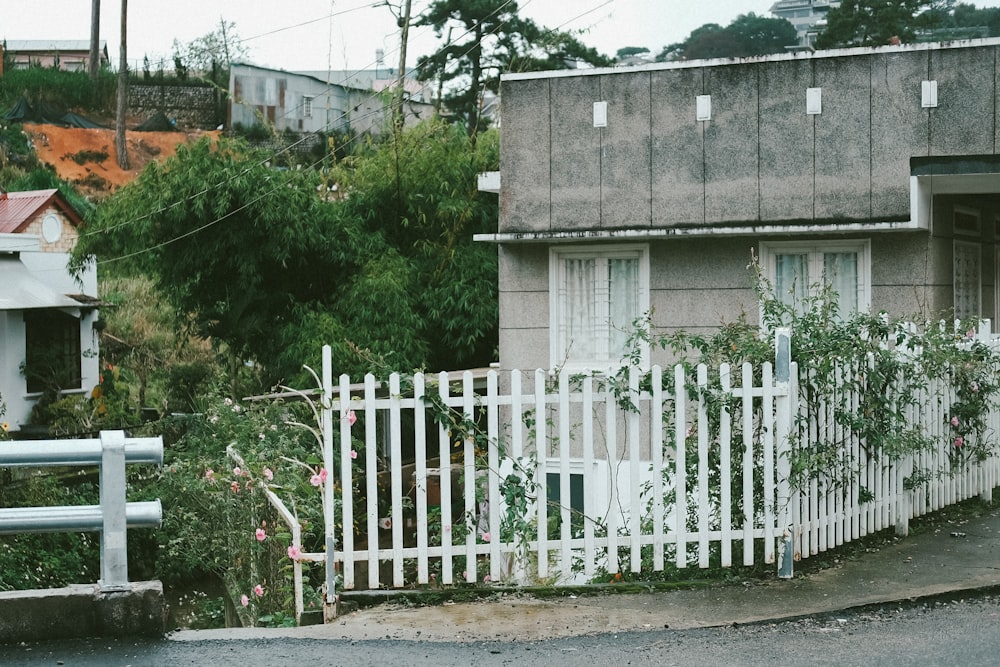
(47, 316)
(72, 55)
(304, 103)
(649, 188)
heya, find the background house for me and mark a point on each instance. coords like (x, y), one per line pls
(304, 103)
(72, 55)
(628, 189)
(47, 316)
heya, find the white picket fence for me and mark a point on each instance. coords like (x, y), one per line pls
(413, 502)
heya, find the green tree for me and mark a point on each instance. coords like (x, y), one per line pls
(748, 35)
(217, 49)
(877, 22)
(491, 39)
(251, 257)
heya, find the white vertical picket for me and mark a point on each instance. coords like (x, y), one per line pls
(680, 465)
(590, 482)
(444, 474)
(346, 484)
(471, 517)
(767, 401)
(371, 479)
(420, 474)
(749, 511)
(656, 422)
(396, 478)
(635, 488)
(565, 517)
(611, 451)
(704, 495)
(541, 491)
(493, 458)
(725, 468)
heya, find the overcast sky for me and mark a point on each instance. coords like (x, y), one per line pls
(344, 34)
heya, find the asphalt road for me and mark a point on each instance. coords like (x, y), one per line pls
(964, 632)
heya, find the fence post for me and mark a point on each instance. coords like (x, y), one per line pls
(114, 559)
(783, 419)
(330, 601)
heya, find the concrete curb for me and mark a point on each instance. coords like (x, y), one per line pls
(83, 611)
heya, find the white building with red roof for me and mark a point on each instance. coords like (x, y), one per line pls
(48, 341)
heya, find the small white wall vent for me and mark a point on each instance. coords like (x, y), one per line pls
(600, 114)
(928, 94)
(814, 101)
(703, 107)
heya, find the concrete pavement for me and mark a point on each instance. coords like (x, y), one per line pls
(940, 558)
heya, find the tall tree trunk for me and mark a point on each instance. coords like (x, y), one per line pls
(95, 39)
(121, 148)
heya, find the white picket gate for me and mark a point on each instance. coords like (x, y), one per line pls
(444, 519)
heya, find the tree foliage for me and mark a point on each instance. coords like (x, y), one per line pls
(217, 49)
(877, 22)
(486, 39)
(748, 35)
(250, 256)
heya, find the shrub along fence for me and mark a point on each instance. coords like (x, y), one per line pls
(542, 478)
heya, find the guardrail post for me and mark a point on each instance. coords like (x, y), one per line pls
(114, 559)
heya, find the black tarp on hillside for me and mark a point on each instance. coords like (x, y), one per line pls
(158, 122)
(42, 112)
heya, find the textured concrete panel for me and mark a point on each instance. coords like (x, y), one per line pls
(843, 139)
(688, 309)
(731, 145)
(963, 123)
(703, 263)
(524, 267)
(576, 152)
(899, 260)
(899, 129)
(525, 157)
(524, 349)
(524, 310)
(678, 148)
(625, 151)
(786, 138)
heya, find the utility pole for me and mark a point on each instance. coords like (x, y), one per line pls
(95, 39)
(401, 78)
(120, 148)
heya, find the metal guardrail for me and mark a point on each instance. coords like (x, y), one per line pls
(112, 517)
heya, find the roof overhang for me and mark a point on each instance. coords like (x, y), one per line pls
(697, 232)
(23, 291)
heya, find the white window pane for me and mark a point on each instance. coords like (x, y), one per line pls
(579, 309)
(840, 271)
(623, 287)
(791, 279)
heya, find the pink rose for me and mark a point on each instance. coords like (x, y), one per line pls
(954, 421)
(351, 417)
(261, 534)
(294, 552)
(268, 475)
(258, 590)
(244, 600)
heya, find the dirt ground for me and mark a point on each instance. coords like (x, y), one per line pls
(87, 158)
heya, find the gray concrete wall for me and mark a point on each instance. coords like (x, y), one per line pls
(82, 611)
(761, 157)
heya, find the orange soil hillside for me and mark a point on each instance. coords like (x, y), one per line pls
(78, 155)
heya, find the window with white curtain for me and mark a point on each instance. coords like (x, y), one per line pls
(798, 271)
(967, 278)
(597, 295)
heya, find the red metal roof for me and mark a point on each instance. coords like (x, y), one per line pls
(17, 209)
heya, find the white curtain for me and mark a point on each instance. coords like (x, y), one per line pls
(840, 271)
(579, 309)
(623, 289)
(791, 280)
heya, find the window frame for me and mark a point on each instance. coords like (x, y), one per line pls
(816, 249)
(557, 254)
(54, 328)
(975, 251)
(307, 106)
